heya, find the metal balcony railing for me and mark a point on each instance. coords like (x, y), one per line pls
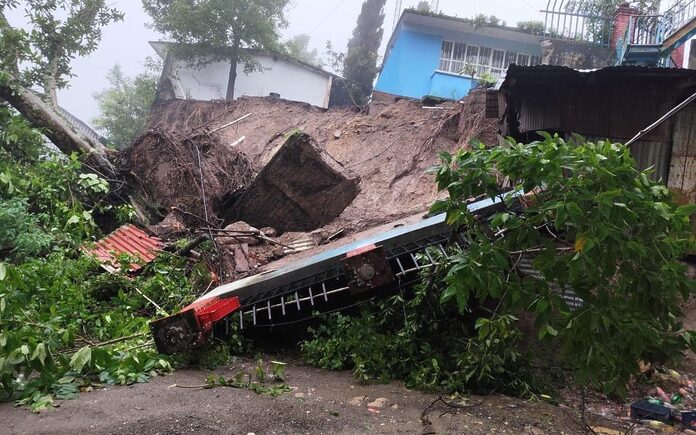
(678, 16)
(577, 20)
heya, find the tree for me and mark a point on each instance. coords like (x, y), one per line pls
(39, 58)
(360, 64)
(124, 106)
(298, 48)
(533, 26)
(219, 29)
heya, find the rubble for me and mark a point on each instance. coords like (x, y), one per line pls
(340, 173)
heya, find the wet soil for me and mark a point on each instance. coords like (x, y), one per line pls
(318, 404)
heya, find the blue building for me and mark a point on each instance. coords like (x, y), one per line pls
(446, 56)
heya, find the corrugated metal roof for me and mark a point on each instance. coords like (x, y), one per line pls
(130, 240)
(542, 72)
(612, 102)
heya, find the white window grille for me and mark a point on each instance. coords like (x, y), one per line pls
(468, 59)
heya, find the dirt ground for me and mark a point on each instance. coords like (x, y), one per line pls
(318, 404)
(321, 402)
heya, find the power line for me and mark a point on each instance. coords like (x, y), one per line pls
(323, 20)
(531, 7)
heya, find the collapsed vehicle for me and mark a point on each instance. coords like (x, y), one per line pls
(329, 281)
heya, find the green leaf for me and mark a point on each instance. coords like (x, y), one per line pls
(66, 379)
(40, 353)
(551, 330)
(3, 271)
(662, 210)
(684, 210)
(81, 358)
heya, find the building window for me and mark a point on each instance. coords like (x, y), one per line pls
(465, 59)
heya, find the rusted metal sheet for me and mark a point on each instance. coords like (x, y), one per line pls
(129, 240)
(614, 102)
(656, 155)
(683, 159)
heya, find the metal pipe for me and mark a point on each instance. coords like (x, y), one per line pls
(664, 118)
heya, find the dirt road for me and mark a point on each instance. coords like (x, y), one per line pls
(318, 404)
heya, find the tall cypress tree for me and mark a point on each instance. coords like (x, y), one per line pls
(360, 64)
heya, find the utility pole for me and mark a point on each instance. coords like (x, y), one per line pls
(435, 6)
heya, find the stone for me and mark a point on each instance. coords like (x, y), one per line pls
(378, 403)
(269, 231)
(356, 401)
(337, 134)
(300, 395)
(241, 258)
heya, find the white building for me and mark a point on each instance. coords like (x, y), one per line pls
(279, 74)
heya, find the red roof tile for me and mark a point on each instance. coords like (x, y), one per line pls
(130, 240)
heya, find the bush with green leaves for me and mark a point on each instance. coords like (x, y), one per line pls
(47, 199)
(590, 222)
(65, 324)
(428, 344)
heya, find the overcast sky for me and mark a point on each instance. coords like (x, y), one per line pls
(126, 42)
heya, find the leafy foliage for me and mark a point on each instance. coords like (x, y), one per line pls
(256, 381)
(298, 48)
(65, 325)
(45, 199)
(482, 20)
(592, 223)
(429, 344)
(360, 63)
(423, 6)
(124, 106)
(534, 26)
(220, 29)
(58, 31)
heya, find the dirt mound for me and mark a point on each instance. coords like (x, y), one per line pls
(389, 151)
(187, 171)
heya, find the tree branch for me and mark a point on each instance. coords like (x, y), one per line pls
(57, 129)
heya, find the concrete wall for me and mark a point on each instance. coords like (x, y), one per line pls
(292, 81)
(575, 55)
(411, 65)
(448, 85)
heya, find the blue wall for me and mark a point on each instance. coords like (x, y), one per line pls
(410, 65)
(410, 68)
(450, 85)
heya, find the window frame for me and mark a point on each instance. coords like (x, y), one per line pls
(463, 48)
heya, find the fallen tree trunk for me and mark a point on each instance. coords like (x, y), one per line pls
(55, 127)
